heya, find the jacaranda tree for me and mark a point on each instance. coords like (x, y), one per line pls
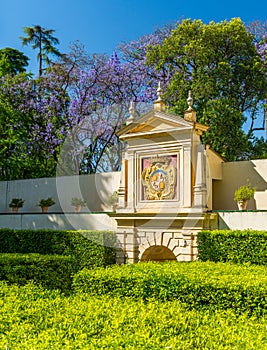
(66, 120)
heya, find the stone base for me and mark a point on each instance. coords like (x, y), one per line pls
(159, 237)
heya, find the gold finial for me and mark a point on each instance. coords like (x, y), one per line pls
(159, 104)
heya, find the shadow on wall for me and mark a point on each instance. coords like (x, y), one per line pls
(95, 189)
(236, 174)
(242, 220)
(51, 221)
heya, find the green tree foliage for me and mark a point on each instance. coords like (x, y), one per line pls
(10, 138)
(12, 62)
(220, 64)
(224, 64)
(22, 153)
(259, 147)
(43, 40)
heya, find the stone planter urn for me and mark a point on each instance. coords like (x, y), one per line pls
(113, 201)
(44, 209)
(78, 204)
(242, 195)
(242, 205)
(114, 207)
(45, 203)
(15, 204)
(78, 208)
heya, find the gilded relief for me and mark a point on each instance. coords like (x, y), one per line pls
(159, 178)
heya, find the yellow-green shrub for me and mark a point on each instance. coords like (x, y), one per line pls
(233, 245)
(34, 318)
(88, 248)
(50, 271)
(196, 285)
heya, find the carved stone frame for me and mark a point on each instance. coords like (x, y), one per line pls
(140, 201)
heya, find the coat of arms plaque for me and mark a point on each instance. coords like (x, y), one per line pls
(159, 178)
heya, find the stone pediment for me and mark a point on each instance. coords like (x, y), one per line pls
(155, 122)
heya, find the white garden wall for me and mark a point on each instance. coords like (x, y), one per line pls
(52, 221)
(95, 189)
(235, 174)
(242, 220)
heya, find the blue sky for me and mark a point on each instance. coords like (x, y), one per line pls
(101, 24)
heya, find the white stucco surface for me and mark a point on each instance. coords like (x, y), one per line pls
(236, 174)
(81, 221)
(243, 220)
(95, 189)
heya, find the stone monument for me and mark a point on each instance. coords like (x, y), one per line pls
(163, 189)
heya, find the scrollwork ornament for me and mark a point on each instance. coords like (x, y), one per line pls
(159, 179)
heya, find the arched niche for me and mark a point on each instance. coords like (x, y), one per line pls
(158, 253)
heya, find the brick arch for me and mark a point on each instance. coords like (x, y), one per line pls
(174, 241)
(157, 253)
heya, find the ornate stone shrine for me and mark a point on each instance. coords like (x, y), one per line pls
(164, 185)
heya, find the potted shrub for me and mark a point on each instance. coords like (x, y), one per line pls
(15, 204)
(78, 203)
(113, 200)
(45, 203)
(242, 195)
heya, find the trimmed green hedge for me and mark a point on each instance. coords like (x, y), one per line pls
(34, 318)
(233, 245)
(50, 271)
(197, 285)
(88, 248)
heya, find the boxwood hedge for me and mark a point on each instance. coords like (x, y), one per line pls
(34, 318)
(233, 245)
(197, 285)
(50, 271)
(88, 248)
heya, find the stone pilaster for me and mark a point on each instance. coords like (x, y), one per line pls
(200, 188)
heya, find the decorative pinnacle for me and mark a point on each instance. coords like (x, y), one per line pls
(132, 111)
(159, 104)
(159, 92)
(190, 101)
